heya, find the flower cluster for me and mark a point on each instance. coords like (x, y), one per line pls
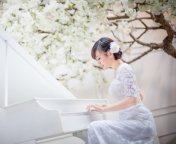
(55, 34)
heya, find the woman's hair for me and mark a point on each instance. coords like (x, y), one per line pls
(103, 45)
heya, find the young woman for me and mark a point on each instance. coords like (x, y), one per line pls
(136, 124)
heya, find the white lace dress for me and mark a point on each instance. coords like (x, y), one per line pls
(135, 125)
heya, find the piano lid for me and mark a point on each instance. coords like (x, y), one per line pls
(23, 78)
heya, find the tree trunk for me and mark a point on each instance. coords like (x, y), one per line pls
(167, 42)
(169, 48)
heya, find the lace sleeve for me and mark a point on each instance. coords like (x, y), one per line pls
(128, 80)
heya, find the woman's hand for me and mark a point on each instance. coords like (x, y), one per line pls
(105, 105)
(95, 107)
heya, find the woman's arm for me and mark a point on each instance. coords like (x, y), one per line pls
(141, 95)
(123, 104)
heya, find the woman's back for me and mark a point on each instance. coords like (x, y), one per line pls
(124, 83)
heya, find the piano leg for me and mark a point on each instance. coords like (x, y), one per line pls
(81, 134)
(29, 142)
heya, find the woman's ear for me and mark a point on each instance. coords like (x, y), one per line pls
(110, 55)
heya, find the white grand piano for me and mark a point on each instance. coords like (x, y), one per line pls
(34, 106)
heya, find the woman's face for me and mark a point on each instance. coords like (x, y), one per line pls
(104, 59)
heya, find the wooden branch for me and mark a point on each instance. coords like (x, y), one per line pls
(112, 10)
(141, 34)
(160, 18)
(166, 45)
(151, 28)
(151, 45)
(152, 16)
(139, 42)
(156, 45)
(167, 42)
(143, 54)
(139, 19)
(118, 17)
(119, 39)
(40, 31)
(174, 33)
(143, 23)
(115, 36)
(137, 38)
(71, 9)
(41, 55)
(109, 9)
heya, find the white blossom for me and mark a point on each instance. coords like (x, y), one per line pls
(114, 47)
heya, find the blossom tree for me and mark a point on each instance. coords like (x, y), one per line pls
(55, 32)
(59, 33)
(162, 13)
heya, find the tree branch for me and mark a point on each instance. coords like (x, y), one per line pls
(151, 28)
(112, 10)
(139, 19)
(160, 18)
(167, 42)
(119, 39)
(166, 45)
(143, 54)
(151, 45)
(115, 36)
(118, 17)
(139, 42)
(134, 40)
(40, 31)
(143, 23)
(152, 16)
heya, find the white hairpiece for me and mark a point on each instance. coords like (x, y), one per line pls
(114, 47)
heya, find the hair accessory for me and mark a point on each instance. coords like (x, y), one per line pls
(114, 47)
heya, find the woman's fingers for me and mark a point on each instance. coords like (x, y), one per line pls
(91, 108)
(94, 107)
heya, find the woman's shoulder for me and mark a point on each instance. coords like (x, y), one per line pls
(124, 70)
(124, 67)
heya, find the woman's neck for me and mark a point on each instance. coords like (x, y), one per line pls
(116, 64)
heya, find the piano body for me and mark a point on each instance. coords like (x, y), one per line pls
(34, 106)
(37, 119)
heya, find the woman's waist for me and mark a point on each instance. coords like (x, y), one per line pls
(138, 112)
(138, 107)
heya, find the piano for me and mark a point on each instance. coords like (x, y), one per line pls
(34, 106)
